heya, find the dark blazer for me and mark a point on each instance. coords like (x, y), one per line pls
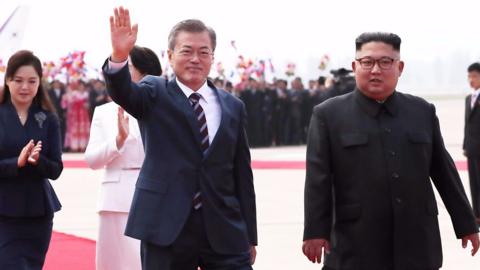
(27, 192)
(175, 168)
(368, 187)
(57, 102)
(471, 139)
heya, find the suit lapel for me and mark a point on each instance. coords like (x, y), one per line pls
(184, 106)
(224, 120)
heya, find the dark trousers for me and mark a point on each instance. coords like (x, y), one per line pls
(190, 250)
(474, 176)
(24, 242)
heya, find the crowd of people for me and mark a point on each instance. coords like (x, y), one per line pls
(278, 113)
(75, 103)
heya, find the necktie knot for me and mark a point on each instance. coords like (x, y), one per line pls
(194, 98)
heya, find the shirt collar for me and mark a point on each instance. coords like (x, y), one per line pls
(204, 90)
(373, 107)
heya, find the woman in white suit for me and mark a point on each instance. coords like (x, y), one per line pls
(115, 144)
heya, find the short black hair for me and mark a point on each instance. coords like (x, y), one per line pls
(321, 80)
(388, 38)
(145, 61)
(474, 67)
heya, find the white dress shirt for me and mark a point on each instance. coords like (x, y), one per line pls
(210, 105)
(474, 97)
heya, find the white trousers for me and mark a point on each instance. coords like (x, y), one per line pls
(115, 251)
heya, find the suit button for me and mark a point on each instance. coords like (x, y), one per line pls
(395, 176)
(398, 200)
(392, 153)
(387, 130)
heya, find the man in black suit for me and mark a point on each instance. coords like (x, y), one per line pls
(369, 201)
(56, 92)
(194, 203)
(471, 141)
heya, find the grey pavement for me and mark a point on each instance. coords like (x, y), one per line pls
(279, 201)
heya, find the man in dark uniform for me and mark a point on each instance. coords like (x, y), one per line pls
(253, 98)
(471, 142)
(56, 92)
(282, 118)
(369, 201)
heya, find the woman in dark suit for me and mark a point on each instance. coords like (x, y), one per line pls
(30, 154)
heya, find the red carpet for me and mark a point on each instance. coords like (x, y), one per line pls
(256, 164)
(68, 252)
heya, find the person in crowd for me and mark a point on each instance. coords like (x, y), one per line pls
(97, 95)
(230, 89)
(282, 120)
(372, 156)
(30, 154)
(117, 147)
(75, 102)
(56, 93)
(194, 202)
(471, 141)
(253, 97)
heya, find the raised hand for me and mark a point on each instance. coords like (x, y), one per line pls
(122, 33)
(123, 128)
(24, 154)
(35, 153)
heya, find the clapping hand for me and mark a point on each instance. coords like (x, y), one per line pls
(35, 153)
(123, 128)
(30, 153)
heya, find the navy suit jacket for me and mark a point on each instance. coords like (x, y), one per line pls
(26, 192)
(175, 168)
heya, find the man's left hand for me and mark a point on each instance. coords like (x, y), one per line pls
(253, 254)
(473, 238)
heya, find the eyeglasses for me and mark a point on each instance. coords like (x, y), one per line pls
(368, 62)
(201, 54)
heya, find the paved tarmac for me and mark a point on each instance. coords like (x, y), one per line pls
(279, 201)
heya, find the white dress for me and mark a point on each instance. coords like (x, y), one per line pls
(115, 251)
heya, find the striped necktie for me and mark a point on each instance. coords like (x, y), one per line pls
(202, 123)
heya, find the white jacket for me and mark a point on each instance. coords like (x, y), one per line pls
(121, 165)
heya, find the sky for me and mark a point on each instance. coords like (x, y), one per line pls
(439, 38)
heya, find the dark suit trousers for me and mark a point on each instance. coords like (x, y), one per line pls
(24, 242)
(190, 250)
(474, 175)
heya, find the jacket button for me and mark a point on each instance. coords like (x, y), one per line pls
(398, 200)
(395, 176)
